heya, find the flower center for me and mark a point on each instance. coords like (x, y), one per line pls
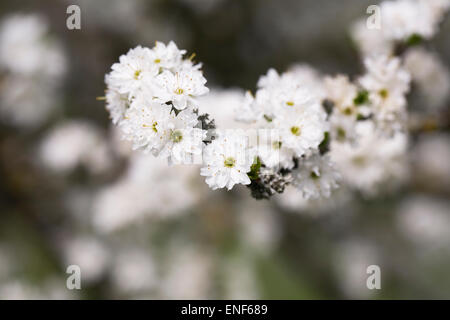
(229, 162)
(157, 60)
(137, 73)
(295, 131)
(290, 103)
(276, 144)
(154, 126)
(179, 91)
(176, 136)
(341, 134)
(384, 93)
(359, 161)
(348, 111)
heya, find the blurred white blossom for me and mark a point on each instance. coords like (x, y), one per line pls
(73, 143)
(431, 76)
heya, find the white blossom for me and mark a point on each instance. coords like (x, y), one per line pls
(425, 220)
(27, 49)
(342, 93)
(387, 82)
(32, 63)
(315, 177)
(374, 161)
(148, 189)
(146, 90)
(302, 131)
(73, 143)
(227, 160)
(370, 41)
(272, 151)
(287, 104)
(89, 253)
(430, 74)
(404, 18)
(180, 88)
(133, 72)
(26, 102)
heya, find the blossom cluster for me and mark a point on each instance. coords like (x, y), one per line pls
(299, 128)
(379, 95)
(32, 63)
(151, 96)
(289, 107)
(401, 21)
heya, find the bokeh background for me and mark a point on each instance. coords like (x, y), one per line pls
(72, 193)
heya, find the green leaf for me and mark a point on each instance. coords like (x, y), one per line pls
(254, 169)
(323, 146)
(361, 98)
(414, 39)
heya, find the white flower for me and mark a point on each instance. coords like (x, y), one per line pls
(342, 127)
(184, 140)
(430, 74)
(142, 91)
(387, 83)
(351, 259)
(26, 102)
(400, 20)
(180, 88)
(341, 92)
(269, 80)
(277, 94)
(404, 18)
(271, 150)
(287, 103)
(370, 41)
(116, 104)
(315, 177)
(308, 77)
(32, 63)
(133, 70)
(27, 49)
(227, 160)
(146, 125)
(345, 111)
(148, 189)
(89, 254)
(376, 160)
(302, 131)
(74, 143)
(167, 57)
(247, 111)
(425, 221)
(157, 129)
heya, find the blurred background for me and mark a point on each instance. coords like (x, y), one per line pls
(73, 193)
